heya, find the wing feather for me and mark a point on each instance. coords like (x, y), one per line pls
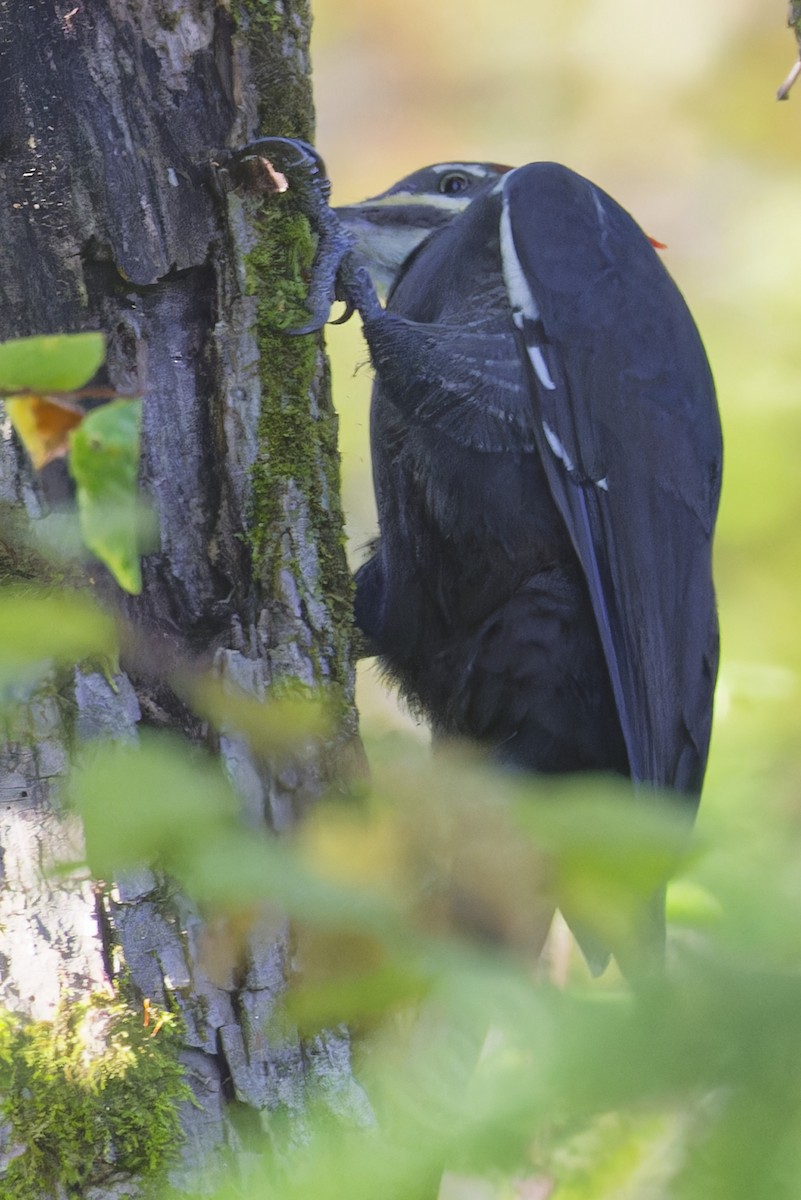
(627, 427)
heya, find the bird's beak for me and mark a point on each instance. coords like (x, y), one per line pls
(383, 239)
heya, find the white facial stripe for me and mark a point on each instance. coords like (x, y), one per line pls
(430, 200)
(468, 168)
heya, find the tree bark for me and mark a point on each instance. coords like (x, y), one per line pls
(109, 115)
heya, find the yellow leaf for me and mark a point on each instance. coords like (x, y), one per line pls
(43, 424)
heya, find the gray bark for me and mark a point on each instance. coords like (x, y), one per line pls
(108, 113)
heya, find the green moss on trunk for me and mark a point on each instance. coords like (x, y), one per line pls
(298, 424)
(90, 1096)
(277, 35)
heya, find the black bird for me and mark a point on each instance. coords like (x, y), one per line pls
(547, 461)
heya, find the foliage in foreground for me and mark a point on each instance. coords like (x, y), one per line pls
(417, 908)
(43, 385)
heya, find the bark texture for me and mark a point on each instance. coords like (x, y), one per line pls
(110, 111)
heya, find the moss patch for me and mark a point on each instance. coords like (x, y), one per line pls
(90, 1096)
(277, 37)
(297, 433)
(298, 427)
(262, 12)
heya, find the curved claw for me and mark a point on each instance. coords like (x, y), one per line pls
(309, 183)
(336, 273)
(333, 247)
(357, 290)
(350, 309)
(301, 152)
(291, 154)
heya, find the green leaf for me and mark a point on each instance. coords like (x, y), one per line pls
(157, 800)
(278, 724)
(353, 996)
(37, 629)
(104, 462)
(54, 363)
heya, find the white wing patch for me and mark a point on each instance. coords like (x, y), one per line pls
(557, 447)
(519, 293)
(541, 367)
(525, 309)
(526, 316)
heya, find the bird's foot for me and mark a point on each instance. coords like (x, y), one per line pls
(356, 289)
(275, 164)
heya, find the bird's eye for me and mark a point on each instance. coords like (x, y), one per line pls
(453, 182)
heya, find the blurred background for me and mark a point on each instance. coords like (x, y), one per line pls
(672, 109)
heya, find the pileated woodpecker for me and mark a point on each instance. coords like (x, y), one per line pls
(547, 461)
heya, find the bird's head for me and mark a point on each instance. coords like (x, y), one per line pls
(389, 227)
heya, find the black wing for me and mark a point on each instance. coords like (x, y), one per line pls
(599, 367)
(627, 426)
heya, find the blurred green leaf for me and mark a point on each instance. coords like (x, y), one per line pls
(690, 904)
(354, 998)
(631, 1157)
(601, 1090)
(38, 628)
(54, 363)
(275, 725)
(156, 801)
(161, 801)
(104, 462)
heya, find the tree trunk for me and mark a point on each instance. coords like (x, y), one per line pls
(109, 115)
